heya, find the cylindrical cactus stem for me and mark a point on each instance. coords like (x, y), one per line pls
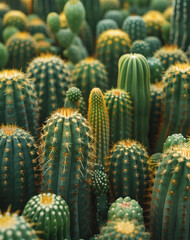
(49, 215)
(18, 167)
(134, 78)
(99, 120)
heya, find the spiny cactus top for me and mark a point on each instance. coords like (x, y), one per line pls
(49, 215)
(173, 140)
(18, 101)
(15, 18)
(14, 227)
(100, 182)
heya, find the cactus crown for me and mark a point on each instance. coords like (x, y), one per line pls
(113, 33)
(7, 220)
(8, 129)
(46, 199)
(124, 227)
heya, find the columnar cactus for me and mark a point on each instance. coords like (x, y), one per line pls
(66, 150)
(176, 102)
(18, 167)
(52, 79)
(18, 101)
(180, 34)
(170, 196)
(120, 111)
(90, 73)
(173, 140)
(49, 215)
(112, 44)
(126, 209)
(99, 120)
(127, 170)
(134, 78)
(15, 227)
(15, 18)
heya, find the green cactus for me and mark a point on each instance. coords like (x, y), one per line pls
(75, 53)
(65, 37)
(176, 102)
(188, 53)
(18, 172)
(104, 25)
(49, 215)
(66, 150)
(170, 196)
(156, 69)
(127, 170)
(99, 120)
(90, 73)
(4, 55)
(180, 34)
(120, 111)
(115, 15)
(168, 13)
(126, 209)
(37, 25)
(53, 21)
(123, 230)
(18, 101)
(111, 44)
(135, 27)
(16, 19)
(8, 32)
(87, 37)
(26, 6)
(106, 5)
(140, 47)
(166, 28)
(15, 227)
(4, 8)
(173, 140)
(134, 78)
(75, 14)
(52, 79)
(22, 49)
(154, 44)
(153, 163)
(159, 5)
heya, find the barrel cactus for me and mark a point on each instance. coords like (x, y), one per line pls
(140, 47)
(15, 18)
(173, 140)
(115, 15)
(156, 69)
(107, 5)
(105, 24)
(154, 44)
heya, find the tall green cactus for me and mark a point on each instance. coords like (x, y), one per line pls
(66, 150)
(120, 111)
(18, 101)
(180, 34)
(99, 120)
(18, 167)
(134, 78)
(169, 218)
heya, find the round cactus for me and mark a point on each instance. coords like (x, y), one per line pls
(36, 25)
(4, 8)
(154, 44)
(65, 37)
(173, 140)
(156, 69)
(49, 215)
(105, 24)
(115, 15)
(140, 47)
(15, 18)
(53, 22)
(159, 5)
(8, 32)
(107, 5)
(3, 55)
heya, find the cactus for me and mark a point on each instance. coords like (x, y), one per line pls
(159, 5)
(87, 37)
(66, 150)
(53, 22)
(99, 120)
(52, 78)
(4, 56)
(26, 6)
(15, 18)
(106, 5)
(50, 216)
(169, 204)
(170, 55)
(140, 47)
(126, 209)
(123, 230)
(8, 32)
(176, 102)
(4, 8)
(15, 227)
(168, 13)
(135, 27)
(65, 37)
(180, 34)
(105, 24)
(18, 169)
(120, 111)
(110, 46)
(90, 73)
(127, 170)
(18, 101)
(153, 163)
(134, 78)
(75, 14)
(173, 140)
(36, 25)
(115, 15)
(156, 69)
(22, 49)
(154, 44)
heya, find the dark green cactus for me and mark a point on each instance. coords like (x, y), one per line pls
(154, 44)
(127, 170)
(120, 111)
(170, 196)
(99, 120)
(115, 15)
(8, 32)
(4, 55)
(180, 34)
(90, 73)
(153, 163)
(156, 69)
(18, 101)
(140, 47)
(18, 167)
(126, 209)
(112, 44)
(4, 8)
(87, 37)
(15, 227)
(49, 215)
(37, 25)
(159, 5)
(105, 24)
(134, 78)
(106, 5)
(52, 79)
(135, 27)
(176, 102)
(66, 150)
(15, 18)
(173, 140)
(22, 49)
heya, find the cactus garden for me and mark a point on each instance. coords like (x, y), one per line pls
(94, 119)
